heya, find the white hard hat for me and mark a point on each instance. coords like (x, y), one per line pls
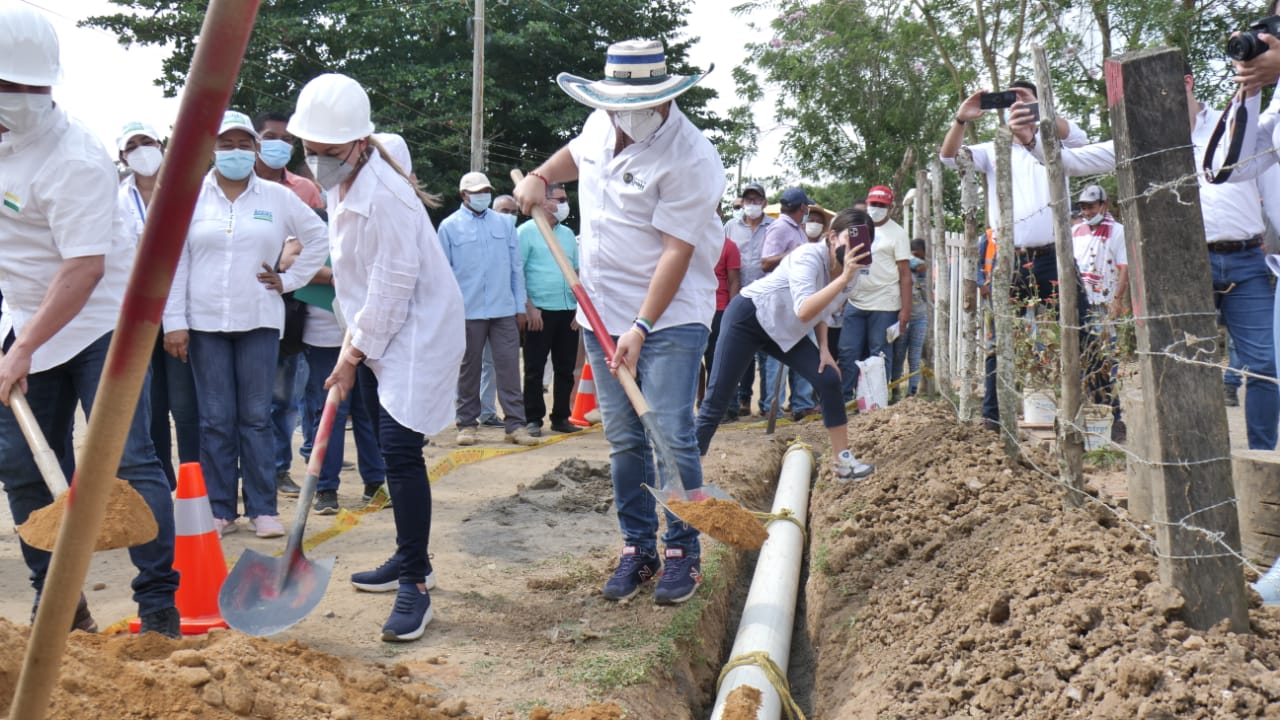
(28, 46)
(332, 109)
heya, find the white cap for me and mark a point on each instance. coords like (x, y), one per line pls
(236, 120)
(30, 46)
(332, 109)
(134, 129)
(474, 182)
(1093, 194)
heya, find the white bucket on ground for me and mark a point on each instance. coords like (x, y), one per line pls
(1038, 408)
(1097, 426)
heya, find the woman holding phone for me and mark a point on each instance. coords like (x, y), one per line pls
(780, 314)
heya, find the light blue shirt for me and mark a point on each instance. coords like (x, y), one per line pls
(485, 258)
(548, 290)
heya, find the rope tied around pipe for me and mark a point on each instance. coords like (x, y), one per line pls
(776, 678)
(786, 514)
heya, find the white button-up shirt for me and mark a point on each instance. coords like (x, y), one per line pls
(398, 296)
(1032, 217)
(59, 202)
(778, 295)
(1231, 211)
(670, 183)
(216, 287)
(750, 245)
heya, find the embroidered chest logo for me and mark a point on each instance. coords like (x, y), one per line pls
(262, 215)
(634, 181)
(12, 202)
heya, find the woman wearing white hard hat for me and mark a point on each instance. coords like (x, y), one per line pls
(173, 389)
(225, 307)
(404, 318)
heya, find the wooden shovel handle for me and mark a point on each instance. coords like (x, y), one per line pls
(45, 458)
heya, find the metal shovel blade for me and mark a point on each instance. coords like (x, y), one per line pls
(264, 595)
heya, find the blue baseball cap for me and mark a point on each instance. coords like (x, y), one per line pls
(794, 196)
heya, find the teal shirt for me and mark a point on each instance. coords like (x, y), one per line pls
(543, 281)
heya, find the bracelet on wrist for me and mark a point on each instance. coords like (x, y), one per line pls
(641, 328)
(960, 122)
(540, 176)
(645, 325)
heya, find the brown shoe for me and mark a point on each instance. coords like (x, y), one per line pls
(521, 436)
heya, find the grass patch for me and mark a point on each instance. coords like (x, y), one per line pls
(822, 560)
(1105, 458)
(627, 658)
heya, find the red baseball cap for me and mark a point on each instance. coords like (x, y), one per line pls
(880, 194)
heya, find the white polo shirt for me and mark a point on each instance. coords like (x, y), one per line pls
(879, 290)
(59, 202)
(216, 287)
(670, 183)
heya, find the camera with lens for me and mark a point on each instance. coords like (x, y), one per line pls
(1247, 45)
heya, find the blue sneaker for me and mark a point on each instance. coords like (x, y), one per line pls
(387, 577)
(634, 569)
(680, 577)
(410, 615)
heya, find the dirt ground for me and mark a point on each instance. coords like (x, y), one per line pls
(949, 584)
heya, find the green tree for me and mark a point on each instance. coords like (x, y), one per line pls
(414, 58)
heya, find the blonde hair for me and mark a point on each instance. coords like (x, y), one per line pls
(431, 200)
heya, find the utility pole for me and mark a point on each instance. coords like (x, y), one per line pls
(477, 88)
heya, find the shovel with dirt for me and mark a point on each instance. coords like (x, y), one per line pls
(708, 508)
(129, 520)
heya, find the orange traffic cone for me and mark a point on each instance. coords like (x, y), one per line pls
(197, 555)
(585, 401)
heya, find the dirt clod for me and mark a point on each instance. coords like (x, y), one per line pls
(128, 521)
(742, 704)
(724, 520)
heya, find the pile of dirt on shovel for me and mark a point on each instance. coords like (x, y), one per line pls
(222, 675)
(953, 584)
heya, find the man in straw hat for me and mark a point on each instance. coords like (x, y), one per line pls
(649, 186)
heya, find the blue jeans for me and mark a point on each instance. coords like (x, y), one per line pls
(1230, 376)
(862, 335)
(320, 361)
(1246, 304)
(284, 411)
(668, 374)
(801, 391)
(769, 369)
(53, 395)
(740, 338)
(406, 482)
(916, 334)
(173, 392)
(234, 374)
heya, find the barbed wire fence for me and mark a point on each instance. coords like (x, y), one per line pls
(1205, 532)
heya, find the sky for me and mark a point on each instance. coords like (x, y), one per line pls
(106, 85)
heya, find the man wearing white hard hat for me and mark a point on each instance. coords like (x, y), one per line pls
(483, 251)
(63, 272)
(404, 315)
(650, 185)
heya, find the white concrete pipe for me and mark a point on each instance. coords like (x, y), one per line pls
(770, 610)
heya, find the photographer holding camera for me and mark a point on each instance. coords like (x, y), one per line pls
(1036, 262)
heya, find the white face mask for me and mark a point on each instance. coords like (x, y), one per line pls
(877, 214)
(21, 112)
(639, 125)
(1095, 219)
(329, 171)
(562, 211)
(813, 230)
(144, 160)
(479, 202)
(752, 211)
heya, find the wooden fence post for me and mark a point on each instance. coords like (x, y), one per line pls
(1070, 437)
(941, 287)
(968, 270)
(924, 230)
(1196, 524)
(1001, 305)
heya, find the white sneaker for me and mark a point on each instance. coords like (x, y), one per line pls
(848, 467)
(267, 526)
(225, 527)
(467, 436)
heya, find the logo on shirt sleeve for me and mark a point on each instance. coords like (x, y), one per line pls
(262, 215)
(12, 202)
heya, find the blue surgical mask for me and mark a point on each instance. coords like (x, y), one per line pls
(234, 164)
(275, 154)
(479, 202)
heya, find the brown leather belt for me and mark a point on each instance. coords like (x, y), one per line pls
(1234, 246)
(1036, 251)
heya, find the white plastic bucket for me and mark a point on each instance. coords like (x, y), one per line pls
(1097, 427)
(1038, 408)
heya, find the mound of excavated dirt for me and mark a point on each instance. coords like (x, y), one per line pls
(223, 675)
(951, 584)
